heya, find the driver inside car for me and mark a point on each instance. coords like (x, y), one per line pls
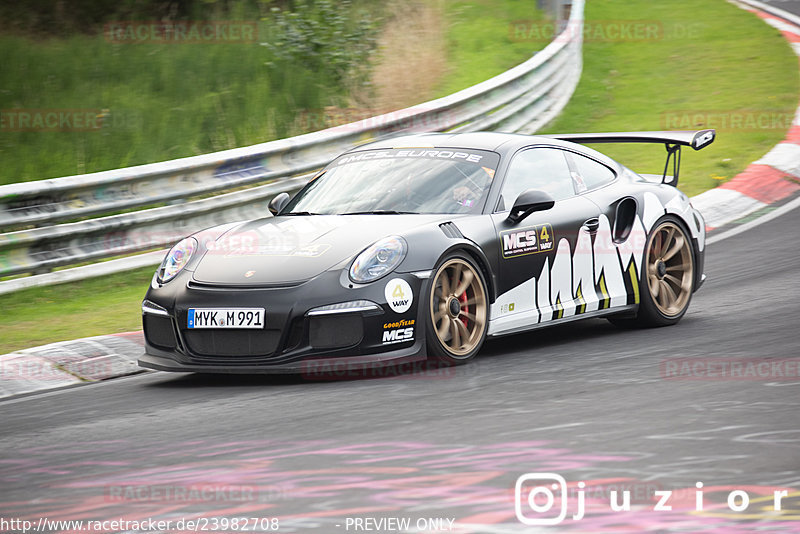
(469, 193)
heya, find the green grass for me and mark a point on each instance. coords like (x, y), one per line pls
(480, 43)
(91, 307)
(161, 101)
(730, 61)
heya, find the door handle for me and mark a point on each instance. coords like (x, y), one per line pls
(591, 225)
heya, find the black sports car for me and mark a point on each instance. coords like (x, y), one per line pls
(418, 247)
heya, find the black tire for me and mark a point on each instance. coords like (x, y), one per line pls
(457, 310)
(666, 282)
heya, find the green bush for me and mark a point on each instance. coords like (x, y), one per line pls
(331, 39)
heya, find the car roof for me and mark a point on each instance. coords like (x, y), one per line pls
(502, 143)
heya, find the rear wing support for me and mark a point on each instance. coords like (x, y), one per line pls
(673, 153)
(673, 141)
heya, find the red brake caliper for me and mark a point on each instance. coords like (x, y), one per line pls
(464, 307)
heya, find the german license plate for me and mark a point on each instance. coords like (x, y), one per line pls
(226, 318)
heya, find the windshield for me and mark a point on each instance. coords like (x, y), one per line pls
(418, 180)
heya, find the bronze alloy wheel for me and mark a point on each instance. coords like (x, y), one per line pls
(670, 269)
(459, 310)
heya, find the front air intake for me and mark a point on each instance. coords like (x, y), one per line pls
(335, 331)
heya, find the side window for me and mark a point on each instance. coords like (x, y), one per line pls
(594, 174)
(545, 169)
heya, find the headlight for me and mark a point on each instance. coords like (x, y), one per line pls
(378, 259)
(176, 259)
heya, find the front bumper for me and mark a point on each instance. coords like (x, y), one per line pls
(297, 338)
(341, 366)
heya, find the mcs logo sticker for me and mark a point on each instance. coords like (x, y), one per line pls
(398, 335)
(527, 240)
(398, 295)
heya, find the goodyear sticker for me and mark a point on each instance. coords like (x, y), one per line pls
(398, 295)
(524, 241)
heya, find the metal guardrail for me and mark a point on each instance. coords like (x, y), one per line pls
(521, 99)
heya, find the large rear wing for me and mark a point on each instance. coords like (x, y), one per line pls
(673, 141)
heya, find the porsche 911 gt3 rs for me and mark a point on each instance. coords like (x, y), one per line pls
(419, 247)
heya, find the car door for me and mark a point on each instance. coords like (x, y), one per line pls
(546, 267)
(619, 239)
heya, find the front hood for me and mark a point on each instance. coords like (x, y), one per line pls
(292, 249)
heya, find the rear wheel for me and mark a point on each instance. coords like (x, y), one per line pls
(458, 311)
(667, 281)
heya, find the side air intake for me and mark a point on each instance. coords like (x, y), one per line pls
(451, 230)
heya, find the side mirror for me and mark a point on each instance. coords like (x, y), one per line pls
(529, 201)
(278, 203)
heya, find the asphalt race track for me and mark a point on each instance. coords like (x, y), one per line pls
(586, 401)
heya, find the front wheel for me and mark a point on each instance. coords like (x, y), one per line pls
(458, 311)
(667, 280)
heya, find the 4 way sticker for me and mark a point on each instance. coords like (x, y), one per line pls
(530, 240)
(398, 295)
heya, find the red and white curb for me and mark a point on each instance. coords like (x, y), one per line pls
(775, 176)
(70, 363)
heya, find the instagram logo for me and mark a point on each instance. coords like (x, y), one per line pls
(535, 495)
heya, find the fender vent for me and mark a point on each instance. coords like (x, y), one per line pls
(451, 230)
